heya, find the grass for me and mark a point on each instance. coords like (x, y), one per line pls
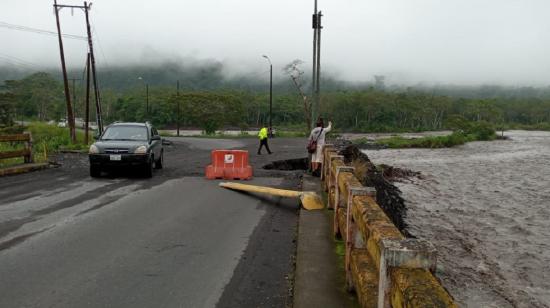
(431, 142)
(425, 142)
(468, 131)
(540, 126)
(46, 139)
(4, 147)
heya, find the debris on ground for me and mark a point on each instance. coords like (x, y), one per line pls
(395, 174)
(388, 195)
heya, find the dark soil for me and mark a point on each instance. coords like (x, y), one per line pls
(394, 174)
(388, 195)
(288, 164)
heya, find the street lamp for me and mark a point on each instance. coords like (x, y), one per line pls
(270, 95)
(146, 97)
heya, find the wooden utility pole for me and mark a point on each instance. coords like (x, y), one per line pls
(316, 77)
(318, 71)
(74, 96)
(314, 65)
(70, 116)
(87, 116)
(270, 100)
(92, 61)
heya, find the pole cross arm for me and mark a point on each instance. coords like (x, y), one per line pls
(61, 6)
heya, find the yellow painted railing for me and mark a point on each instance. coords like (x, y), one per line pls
(384, 268)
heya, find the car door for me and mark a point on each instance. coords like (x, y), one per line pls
(155, 144)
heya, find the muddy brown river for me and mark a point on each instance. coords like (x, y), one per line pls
(486, 206)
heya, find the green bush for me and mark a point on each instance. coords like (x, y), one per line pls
(210, 126)
(12, 130)
(50, 138)
(482, 131)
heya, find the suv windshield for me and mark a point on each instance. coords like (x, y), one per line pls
(125, 133)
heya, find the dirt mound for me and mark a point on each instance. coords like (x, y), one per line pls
(388, 195)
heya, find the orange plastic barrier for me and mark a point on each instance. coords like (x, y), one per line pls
(229, 165)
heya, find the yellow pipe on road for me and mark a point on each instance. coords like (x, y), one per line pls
(310, 200)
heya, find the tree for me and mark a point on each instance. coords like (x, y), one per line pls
(295, 73)
(38, 95)
(7, 108)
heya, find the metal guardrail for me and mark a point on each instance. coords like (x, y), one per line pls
(383, 268)
(26, 153)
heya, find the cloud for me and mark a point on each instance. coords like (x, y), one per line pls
(452, 41)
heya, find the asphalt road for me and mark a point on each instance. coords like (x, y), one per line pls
(177, 240)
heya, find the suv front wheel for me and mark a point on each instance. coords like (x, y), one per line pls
(149, 167)
(95, 171)
(160, 162)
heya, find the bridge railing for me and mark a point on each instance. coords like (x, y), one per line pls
(383, 268)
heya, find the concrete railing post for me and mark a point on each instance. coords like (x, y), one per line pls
(338, 196)
(406, 253)
(332, 179)
(326, 160)
(353, 238)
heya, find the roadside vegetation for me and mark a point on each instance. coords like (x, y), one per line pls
(46, 140)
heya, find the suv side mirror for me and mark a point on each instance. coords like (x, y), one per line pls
(96, 137)
(157, 137)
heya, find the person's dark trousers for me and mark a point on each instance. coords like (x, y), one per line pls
(263, 142)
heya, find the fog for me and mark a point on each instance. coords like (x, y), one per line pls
(463, 42)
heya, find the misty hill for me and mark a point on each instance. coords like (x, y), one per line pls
(205, 76)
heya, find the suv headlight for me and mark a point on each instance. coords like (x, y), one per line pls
(93, 149)
(141, 150)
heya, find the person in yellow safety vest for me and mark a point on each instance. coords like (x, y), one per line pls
(263, 140)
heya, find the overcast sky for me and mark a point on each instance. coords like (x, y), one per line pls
(409, 41)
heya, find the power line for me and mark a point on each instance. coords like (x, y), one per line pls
(96, 38)
(39, 31)
(17, 61)
(8, 61)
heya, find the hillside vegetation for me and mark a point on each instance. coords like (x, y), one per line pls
(209, 101)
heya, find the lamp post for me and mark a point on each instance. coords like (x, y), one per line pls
(178, 109)
(146, 97)
(270, 95)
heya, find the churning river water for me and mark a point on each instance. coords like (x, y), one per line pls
(486, 207)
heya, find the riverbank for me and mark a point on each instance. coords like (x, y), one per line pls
(466, 132)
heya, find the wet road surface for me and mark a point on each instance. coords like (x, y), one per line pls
(67, 240)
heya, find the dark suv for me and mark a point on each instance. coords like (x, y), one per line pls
(127, 144)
